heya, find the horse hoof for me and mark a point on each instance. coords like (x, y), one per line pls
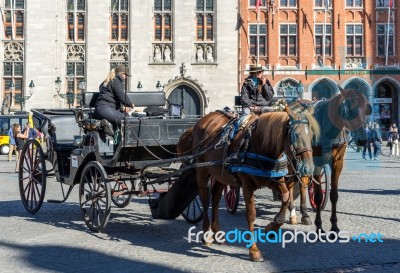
(272, 226)
(293, 220)
(256, 256)
(306, 221)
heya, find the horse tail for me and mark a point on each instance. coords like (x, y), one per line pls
(185, 142)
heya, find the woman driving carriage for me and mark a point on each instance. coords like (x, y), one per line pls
(112, 97)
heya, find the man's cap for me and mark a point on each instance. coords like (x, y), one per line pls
(123, 69)
(256, 68)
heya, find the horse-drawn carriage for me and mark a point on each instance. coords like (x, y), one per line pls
(108, 167)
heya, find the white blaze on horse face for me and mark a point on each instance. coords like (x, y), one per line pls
(292, 213)
(306, 130)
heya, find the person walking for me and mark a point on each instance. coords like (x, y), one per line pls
(390, 141)
(12, 143)
(19, 141)
(395, 142)
(376, 137)
(367, 145)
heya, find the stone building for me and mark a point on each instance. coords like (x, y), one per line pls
(58, 48)
(315, 45)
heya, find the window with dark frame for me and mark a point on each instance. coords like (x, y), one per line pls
(163, 20)
(288, 40)
(76, 17)
(354, 3)
(259, 30)
(204, 20)
(288, 3)
(382, 36)
(319, 37)
(354, 40)
(119, 20)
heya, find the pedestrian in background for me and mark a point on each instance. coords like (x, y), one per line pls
(377, 140)
(395, 142)
(390, 141)
(367, 145)
(12, 143)
(19, 141)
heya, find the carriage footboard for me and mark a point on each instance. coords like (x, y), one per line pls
(172, 204)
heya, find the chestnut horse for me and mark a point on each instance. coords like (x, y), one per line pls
(346, 110)
(263, 138)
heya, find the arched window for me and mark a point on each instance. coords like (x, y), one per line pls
(323, 90)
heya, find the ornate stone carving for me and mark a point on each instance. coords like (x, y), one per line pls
(13, 52)
(76, 52)
(119, 52)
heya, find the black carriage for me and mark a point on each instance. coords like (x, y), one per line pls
(108, 165)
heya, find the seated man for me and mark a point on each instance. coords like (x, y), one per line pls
(256, 91)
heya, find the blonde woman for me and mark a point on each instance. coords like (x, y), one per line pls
(112, 96)
(19, 141)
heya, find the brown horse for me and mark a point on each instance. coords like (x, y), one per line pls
(346, 110)
(264, 136)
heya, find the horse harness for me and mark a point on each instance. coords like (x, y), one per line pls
(245, 161)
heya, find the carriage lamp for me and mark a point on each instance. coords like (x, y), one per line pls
(158, 86)
(58, 82)
(139, 86)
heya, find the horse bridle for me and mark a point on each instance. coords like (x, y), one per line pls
(292, 137)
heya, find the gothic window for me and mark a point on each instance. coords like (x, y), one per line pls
(322, 3)
(119, 20)
(75, 69)
(76, 20)
(14, 19)
(252, 3)
(384, 3)
(288, 3)
(354, 3)
(162, 49)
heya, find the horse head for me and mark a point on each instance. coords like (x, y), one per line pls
(353, 109)
(302, 129)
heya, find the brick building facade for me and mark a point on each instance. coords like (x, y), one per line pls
(291, 39)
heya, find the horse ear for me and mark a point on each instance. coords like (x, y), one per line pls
(343, 91)
(368, 110)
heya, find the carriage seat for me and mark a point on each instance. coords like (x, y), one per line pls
(63, 128)
(139, 99)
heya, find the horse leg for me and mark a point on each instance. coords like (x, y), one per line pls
(318, 198)
(337, 166)
(279, 219)
(201, 176)
(292, 208)
(248, 195)
(305, 218)
(216, 193)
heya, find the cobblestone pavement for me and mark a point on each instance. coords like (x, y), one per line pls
(57, 240)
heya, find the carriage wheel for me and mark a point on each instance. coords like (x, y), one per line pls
(118, 196)
(32, 176)
(232, 196)
(325, 180)
(194, 211)
(95, 196)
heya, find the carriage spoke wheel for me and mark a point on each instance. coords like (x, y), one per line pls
(232, 196)
(325, 180)
(32, 176)
(95, 196)
(194, 211)
(118, 193)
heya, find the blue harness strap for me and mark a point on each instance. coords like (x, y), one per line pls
(276, 167)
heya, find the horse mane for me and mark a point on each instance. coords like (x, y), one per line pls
(313, 123)
(185, 142)
(269, 134)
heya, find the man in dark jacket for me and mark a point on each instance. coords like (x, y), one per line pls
(112, 97)
(256, 92)
(376, 137)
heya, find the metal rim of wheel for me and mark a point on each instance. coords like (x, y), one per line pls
(32, 176)
(232, 196)
(194, 211)
(95, 196)
(119, 199)
(325, 190)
